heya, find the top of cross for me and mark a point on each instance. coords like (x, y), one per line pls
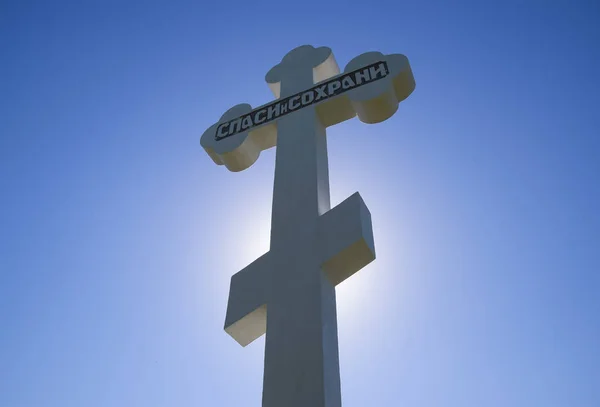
(301, 60)
(370, 87)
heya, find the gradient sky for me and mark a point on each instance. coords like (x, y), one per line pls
(118, 234)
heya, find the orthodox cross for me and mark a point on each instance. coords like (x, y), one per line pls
(289, 292)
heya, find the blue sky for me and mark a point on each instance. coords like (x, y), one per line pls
(119, 234)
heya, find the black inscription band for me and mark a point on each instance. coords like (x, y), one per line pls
(319, 93)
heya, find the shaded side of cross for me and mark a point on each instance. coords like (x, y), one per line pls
(289, 292)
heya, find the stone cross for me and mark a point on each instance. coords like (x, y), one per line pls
(289, 292)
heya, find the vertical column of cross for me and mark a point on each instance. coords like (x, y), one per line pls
(301, 354)
(301, 187)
